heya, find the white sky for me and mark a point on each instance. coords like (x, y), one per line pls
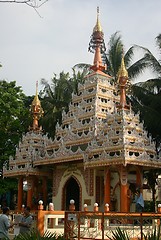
(32, 48)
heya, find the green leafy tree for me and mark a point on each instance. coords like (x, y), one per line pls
(13, 122)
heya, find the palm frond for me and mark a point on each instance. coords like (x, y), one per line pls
(129, 56)
(119, 234)
(153, 63)
(158, 42)
(153, 85)
(114, 53)
(137, 68)
(150, 60)
(155, 235)
(82, 66)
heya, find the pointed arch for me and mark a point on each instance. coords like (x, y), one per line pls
(72, 190)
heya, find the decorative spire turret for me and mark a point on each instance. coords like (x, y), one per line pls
(36, 110)
(123, 79)
(97, 45)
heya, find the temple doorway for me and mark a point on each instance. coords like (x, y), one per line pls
(71, 191)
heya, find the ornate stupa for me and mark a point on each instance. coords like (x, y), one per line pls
(100, 148)
(30, 178)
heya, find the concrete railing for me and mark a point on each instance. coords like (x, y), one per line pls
(92, 224)
(50, 220)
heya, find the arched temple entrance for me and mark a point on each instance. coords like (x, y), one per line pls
(71, 190)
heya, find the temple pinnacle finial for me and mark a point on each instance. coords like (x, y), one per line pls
(122, 71)
(36, 110)
(98, 25)
(122, 79)
(36, 100)
(36, 87)
(97, 45)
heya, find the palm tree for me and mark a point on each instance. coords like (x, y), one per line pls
(150, 96)
(79, 72)
(154, 84)
(55, 98)
(113, 58)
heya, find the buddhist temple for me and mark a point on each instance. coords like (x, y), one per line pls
(99, 150)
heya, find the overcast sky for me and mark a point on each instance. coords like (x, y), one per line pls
(33, 47)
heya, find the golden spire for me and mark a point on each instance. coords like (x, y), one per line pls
(122, 71)
(97, 45)
(36, 110)
(36, 100)
(97, 27)
(122, 79)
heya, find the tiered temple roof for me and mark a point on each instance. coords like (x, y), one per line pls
(100, 128)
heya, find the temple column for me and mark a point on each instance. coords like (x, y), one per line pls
(20, 193)
(35, 193)
(124, 202)
(139, 177)
(107, 185)
(44, 187)
(29, 198)
(29, 192)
